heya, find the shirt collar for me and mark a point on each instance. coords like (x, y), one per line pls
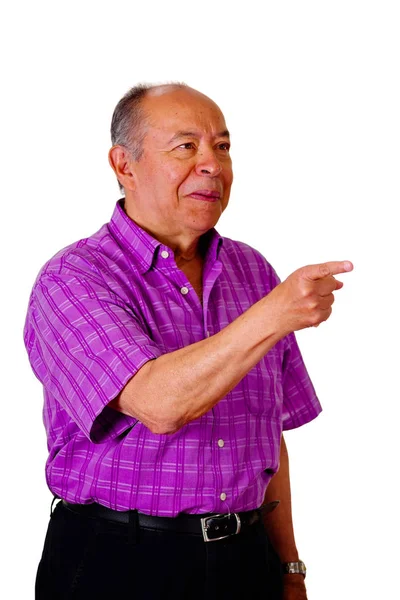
(143, 247)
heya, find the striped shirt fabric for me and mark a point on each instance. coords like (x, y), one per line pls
(103, 307)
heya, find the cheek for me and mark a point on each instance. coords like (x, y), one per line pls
(173, 176)
(225, 202)
(183, 181)
(228, 179)
(230, 173)
(162, 177)
(227, 185)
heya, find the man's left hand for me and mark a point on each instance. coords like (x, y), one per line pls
(294, 587)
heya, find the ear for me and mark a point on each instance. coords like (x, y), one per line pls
(121, 161)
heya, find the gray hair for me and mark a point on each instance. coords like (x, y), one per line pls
(128, 123)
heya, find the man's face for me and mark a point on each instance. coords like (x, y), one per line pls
(182, 181)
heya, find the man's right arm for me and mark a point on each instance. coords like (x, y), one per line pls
(180, 386)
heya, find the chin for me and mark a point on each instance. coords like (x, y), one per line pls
(204, 226)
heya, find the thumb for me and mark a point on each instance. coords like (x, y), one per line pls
(339, 284)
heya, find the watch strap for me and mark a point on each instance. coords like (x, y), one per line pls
(291, 568)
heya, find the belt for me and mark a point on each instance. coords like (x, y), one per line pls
(212, 526)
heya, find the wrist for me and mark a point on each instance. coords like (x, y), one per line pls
(275, 307)
(270, 317)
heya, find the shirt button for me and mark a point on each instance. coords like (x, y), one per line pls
(208, 334)
(184, 290)
(223, 496)
(164, 254)
(221, 443)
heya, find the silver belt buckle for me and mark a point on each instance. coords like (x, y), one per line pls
(205, 520)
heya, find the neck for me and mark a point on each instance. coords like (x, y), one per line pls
(187, 254)
(186, 246)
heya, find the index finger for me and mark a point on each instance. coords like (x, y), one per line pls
(327, 269)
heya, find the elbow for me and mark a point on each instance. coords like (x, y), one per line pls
(166, 416)
(165, 424)
(164, 427)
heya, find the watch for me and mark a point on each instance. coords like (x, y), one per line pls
(290, 568)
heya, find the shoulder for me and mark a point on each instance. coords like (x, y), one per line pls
(81, 254)
(96, 258)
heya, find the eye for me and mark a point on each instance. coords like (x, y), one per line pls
(224, 146)
(187, 146)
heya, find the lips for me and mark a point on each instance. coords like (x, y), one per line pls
(206, 195)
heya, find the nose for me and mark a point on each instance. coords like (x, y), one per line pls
(208, 164)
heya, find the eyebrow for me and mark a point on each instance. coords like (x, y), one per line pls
(182, 134)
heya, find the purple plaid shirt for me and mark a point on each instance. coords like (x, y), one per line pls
(104, 306)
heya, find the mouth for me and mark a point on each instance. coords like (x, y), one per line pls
(206, 195)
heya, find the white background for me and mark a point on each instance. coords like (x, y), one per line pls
(310, 91)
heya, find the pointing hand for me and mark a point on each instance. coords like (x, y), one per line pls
(305, 298)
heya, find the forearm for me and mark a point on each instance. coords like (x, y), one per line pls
(180, 386)
(183, 385)
(279, 523)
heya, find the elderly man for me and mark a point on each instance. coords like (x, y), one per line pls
(170, 369)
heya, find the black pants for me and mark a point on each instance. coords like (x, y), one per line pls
(94, 559)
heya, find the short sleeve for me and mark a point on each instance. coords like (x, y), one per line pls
(300, 402)
(84, 344)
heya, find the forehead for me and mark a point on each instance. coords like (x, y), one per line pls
(182, 110)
